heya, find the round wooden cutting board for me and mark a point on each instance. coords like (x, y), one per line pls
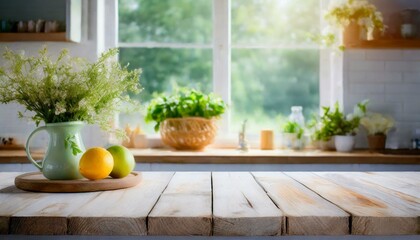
(36, 182)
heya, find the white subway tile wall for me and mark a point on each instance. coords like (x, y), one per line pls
(366, 65)
(391, 80)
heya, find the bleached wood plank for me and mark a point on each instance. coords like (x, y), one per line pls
(408, 177)
(8, 178)
(307, 213)
(184, 208)
(11, 201)
(350, 180)
(394, 184)
(373, 212)
(120, 212)
(48, 215)
(242, 208)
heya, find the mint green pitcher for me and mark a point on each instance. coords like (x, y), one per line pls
(65, 148)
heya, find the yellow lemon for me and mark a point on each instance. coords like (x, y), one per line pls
(96, 163)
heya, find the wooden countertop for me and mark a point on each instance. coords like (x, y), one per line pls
(232, 156)
(224, 204)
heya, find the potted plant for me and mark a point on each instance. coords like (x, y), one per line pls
(293, 134)
(377, 126)
(322, 136)
(353, 19)
(186, 119)
(335, 130)
(65, 93)
(324, 129)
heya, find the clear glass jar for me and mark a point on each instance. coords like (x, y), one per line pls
(297, 115)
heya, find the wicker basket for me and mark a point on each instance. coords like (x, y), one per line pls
(190, 133)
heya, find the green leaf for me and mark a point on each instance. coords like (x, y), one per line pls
(184, 103)
(71, 140)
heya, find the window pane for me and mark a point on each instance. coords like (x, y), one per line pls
(266, 83)
(167, 21)
(164, 68)
(274, 21)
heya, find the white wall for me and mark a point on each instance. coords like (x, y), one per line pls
(391, 80)
(88, 48)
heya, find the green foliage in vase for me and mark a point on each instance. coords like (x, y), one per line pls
(361, 12)
(293, 127)
(184, 103)
(341, 14)
(67, 88)
(333, 122)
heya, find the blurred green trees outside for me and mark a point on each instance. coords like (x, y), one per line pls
(273, 64)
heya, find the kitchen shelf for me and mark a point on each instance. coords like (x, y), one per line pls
(67, 12)
(19, 37)
(253, 156)
(387, 44)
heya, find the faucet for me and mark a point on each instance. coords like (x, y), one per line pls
(243, 143)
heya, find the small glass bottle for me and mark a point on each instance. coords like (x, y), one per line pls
(297, 115)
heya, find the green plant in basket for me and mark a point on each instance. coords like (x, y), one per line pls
(184, 103)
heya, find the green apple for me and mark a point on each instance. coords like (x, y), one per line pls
(123, 161)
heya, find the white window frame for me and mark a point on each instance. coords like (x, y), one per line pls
(331, 61)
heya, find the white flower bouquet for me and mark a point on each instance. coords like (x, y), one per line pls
(377, 124)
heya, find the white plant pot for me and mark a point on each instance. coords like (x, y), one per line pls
(344, 143)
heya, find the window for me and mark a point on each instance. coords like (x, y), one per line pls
(254, 53)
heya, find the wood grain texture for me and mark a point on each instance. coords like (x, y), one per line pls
(8, 178)
(242, 208)
(48, 215)
(12, 200)
(254, 156)
(35, 181)
(379, 204)
(387, 44)
(373, 212)
(407, 177)
(307, 213)
(352, 181)
(184, 208)
(391, 185)
(120, 212)
(18, 37)
(18, 156)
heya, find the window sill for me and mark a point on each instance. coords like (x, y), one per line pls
(253, 156)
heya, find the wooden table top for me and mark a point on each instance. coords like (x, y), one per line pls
(224, 204)
(254, 156)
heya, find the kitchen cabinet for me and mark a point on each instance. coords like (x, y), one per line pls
(67, 12)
